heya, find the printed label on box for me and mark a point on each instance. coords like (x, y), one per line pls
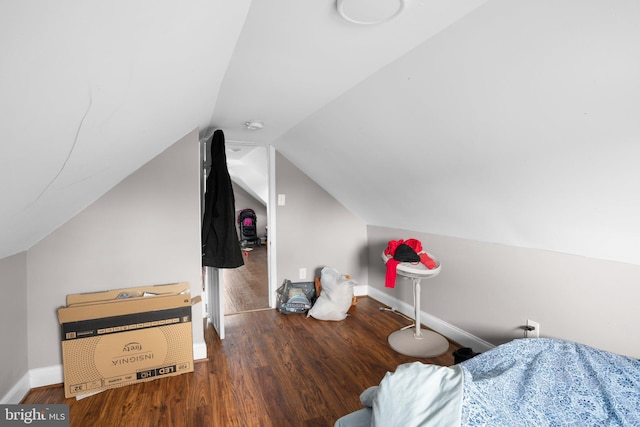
(130, 351)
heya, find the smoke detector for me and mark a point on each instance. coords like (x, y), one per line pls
(254, 125)
(368, 12)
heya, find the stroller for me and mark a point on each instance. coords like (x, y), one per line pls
(247, 222)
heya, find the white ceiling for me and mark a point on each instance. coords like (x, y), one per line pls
(90, 91)
(501, 121)
(248, 167)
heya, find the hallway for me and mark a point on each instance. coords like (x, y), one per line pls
(246, 288)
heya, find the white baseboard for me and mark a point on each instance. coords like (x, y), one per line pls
(50, 375)
(360, 290)
(448, 330)
(34, 378)
(199, 351)
(40, 377)
(17, 392)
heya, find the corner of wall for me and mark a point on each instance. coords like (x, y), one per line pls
(312, 218)
(13, 311)
(145, 230)
(18, 391)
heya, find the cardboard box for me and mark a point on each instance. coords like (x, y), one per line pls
(125, 336)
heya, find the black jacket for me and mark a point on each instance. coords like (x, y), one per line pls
(220, 244)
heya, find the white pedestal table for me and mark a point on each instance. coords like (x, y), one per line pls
(412, 340)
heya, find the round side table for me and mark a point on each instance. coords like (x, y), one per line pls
(412, 340)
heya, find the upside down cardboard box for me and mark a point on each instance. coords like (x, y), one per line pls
(125, 336)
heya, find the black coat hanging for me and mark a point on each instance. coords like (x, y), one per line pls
(220, 244)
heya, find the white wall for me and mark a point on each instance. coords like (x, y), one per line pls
(490, 290)
(13, 318)
(314, 230)
(146, 230)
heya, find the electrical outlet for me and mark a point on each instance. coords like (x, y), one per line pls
(535, 333)
(303, 273)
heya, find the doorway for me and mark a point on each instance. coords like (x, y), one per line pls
(253, 175)
(246, 288)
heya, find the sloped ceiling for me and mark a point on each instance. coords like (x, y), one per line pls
(516, 124)
(91, 90)
(501, 121)
(248, 167)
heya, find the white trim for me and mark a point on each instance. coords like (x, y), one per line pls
(271, 227)
(360, 290)
(199, 351)
(217, 275)
(448, 330)
(17, 392)
(49, 375)
(54, 374)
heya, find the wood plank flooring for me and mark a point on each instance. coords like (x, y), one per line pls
(247, 288)
(272, 370)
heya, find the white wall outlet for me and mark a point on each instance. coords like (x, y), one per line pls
(281, 199)
(535, 333)
(303, 273)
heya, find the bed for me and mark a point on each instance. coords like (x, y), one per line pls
(527, 382)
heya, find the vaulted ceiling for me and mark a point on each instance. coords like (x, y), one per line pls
(501, 121)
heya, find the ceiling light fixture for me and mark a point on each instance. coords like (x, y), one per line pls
(368, 12)
(254, 125)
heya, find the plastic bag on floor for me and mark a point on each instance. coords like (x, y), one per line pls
(335, 298)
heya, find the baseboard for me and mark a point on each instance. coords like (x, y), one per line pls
(199, 351)
(51, 375)
(448, 330)
(40, 377)
(17, 392)
(360, 290)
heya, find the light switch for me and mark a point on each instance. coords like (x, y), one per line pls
(281, 199)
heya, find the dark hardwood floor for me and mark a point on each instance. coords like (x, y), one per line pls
(272, 370)
(246, 288)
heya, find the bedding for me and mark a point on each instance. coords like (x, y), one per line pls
(393, 404)
(527, 382)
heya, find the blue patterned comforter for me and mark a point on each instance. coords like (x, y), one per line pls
(543, 382)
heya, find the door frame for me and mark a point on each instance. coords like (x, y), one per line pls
(271, 225)
(214, 280)
(270, 152)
